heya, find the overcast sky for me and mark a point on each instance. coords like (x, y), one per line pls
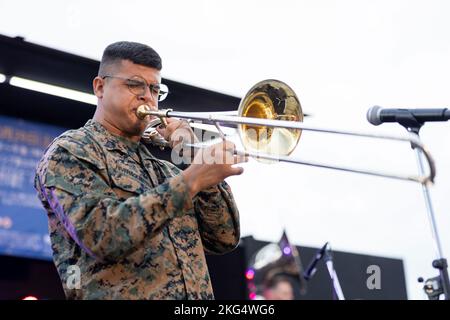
(341, 57)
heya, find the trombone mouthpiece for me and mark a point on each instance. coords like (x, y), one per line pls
(142, 111)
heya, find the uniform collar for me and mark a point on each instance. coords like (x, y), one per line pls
(114, 142)
(109, 140)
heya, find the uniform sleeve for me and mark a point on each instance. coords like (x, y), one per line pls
(105, 227)
(218, 219)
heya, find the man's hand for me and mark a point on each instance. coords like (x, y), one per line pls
(177, 131)
(211, 166)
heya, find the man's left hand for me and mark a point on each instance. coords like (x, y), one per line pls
(177, 131)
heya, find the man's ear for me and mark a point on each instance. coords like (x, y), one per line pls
(98, 86)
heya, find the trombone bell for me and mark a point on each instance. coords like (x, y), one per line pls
(273, 100)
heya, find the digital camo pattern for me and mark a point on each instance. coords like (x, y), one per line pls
(126, 220)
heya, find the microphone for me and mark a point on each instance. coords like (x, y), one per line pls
(377, 115)
(311, 270)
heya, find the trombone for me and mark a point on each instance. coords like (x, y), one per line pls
(270, 123)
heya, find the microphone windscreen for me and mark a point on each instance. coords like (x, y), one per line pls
(373, 115)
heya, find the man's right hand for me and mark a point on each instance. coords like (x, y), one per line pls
(211, 166)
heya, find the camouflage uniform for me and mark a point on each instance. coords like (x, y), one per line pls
(126, 220)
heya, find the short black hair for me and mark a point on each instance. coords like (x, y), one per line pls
(137, 53)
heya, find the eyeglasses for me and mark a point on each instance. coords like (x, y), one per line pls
(138, 85)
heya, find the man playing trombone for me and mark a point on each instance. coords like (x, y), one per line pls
(136, 227)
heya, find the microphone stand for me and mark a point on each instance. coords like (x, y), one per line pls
(434, 287)
(337, 291)
(325, 252)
